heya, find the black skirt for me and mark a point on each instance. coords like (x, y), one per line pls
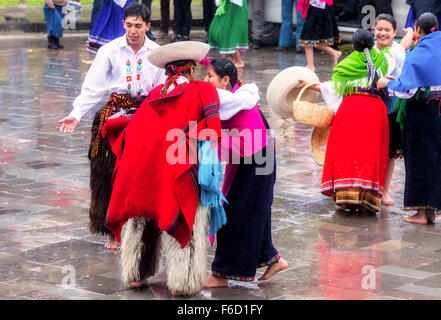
(320, 28)
(244, 243)
(422, 147)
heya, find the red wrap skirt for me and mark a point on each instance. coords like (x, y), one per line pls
(357, 152)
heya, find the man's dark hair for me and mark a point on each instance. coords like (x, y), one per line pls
(426, 22)
(388, 18)
(137, 10)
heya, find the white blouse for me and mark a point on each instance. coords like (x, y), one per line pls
(117, 69)
(244, 98)
(395, 59)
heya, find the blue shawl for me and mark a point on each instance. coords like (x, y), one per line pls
(422, 67)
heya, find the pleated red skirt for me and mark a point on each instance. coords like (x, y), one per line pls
(358, 146)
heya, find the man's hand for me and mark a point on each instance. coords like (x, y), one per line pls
(68, 124)
(52, 7)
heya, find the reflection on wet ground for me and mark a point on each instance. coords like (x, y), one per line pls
(46, 251)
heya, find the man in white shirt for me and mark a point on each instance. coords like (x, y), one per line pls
(122, 69)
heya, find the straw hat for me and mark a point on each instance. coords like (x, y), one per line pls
(281, 92)
(319, 139)
(181, 50)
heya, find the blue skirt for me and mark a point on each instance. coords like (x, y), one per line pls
(107, 26)
(244, 243)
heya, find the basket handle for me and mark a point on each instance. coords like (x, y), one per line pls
(304, 89)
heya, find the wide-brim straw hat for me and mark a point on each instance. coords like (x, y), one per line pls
(319, 140)
(181, 50)
(282, 90)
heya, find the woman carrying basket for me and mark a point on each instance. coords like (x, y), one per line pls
(355, 165)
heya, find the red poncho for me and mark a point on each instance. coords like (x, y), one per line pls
(147, 181)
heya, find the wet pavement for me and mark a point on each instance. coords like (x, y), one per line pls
(47, 252)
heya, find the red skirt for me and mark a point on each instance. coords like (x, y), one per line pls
(358, 146)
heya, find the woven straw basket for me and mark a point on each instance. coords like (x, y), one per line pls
(319, 140)
(311, 114)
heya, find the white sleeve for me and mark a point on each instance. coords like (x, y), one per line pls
(94, 87)
(245, 98)
(332, 99)
(399, 54)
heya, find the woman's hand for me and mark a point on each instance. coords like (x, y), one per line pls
(303, 83)
(382, 83)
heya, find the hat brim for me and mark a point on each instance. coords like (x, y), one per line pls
(319, 140)
(282, 90)
(181, 50)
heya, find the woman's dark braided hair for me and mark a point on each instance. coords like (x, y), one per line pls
(224, 67)
(427, 22)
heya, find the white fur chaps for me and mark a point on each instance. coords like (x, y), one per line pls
(132, 248)
(187, 267)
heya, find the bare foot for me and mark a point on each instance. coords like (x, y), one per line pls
(419, 218)
(273, 269)
(335, 58)
(111, 243)
(175, 293)
(89, 62)
(387, 200)
(138, 284)
(213, 282)
(431, 217)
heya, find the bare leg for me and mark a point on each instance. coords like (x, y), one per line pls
(420, 217)
(273, 269)
(309, 53)
(387, 199)
(335, 54)
(111, 242)
(213, 282)
(239, 63)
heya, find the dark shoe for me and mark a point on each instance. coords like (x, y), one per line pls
(177, 38)
(51, 43)
(300, 50)
(257, 44)
(280, 49)
(185, 38)
(58, 44)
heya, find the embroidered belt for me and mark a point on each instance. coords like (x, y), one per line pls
(115, 104)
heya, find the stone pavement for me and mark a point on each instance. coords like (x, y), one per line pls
(46, 251)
